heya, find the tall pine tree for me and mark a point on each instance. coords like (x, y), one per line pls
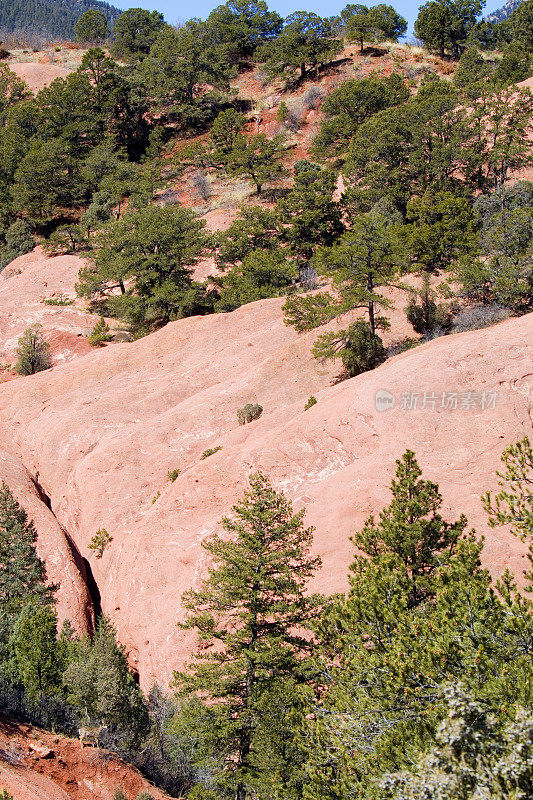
(420, 612)
(252, 615)
(22, 572)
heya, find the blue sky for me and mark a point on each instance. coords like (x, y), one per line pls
(181, 11)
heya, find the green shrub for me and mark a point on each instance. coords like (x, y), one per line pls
(426, 317)
(100, 333)
(172, 474)
(310, 403)
(33, 353)
(249, 413)
(100, 541)
(200, 792)
(60, 300)
(18, 241)
(210, 451)
(363, 351)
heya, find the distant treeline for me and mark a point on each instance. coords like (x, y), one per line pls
(49, 18)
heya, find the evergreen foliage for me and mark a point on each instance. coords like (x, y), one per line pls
(134, 33)
(308, 215)
(39, 655)
(474, 756)
(516, 64)
(148, 255)
(504, 273)
(374, 24)
(442, 227)
(366, 258)
(253, 156)
(471, 73)
(242, 26)
(305, 42)
(520, 24)
(254, 606)
(17, 241)
(22, 573)
(175, 71)
(444, 25)
(33, 352)
(428, 318)
(261, 274)
(513, 504)
(101, 687)
(363, 350)
(420, 612)
(350, 104)
(52, 19)
(92, 27)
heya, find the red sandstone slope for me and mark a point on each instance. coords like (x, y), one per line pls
(36, 765)
(103, 430)
(24, 284)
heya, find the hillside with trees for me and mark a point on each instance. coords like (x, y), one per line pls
(236, 542)
(49, 19)
(504, 12)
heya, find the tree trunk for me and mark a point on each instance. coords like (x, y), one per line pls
(371, 319)
(240, 792)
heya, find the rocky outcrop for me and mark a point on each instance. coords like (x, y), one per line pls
(37, 75)
(103, 431)
(64, 564)
(37, 765)
(33, 289)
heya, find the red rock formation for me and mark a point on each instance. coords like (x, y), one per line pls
(104, 429)
(64, 564)
(24, 284)
(36, 765)
(38, 75)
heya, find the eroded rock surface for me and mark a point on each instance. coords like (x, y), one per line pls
(104, 430)
(25, 284)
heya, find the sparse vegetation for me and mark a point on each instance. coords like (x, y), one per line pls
(249, 413)
(210, 451)
(100, 541)
(58, 300)
(33, 352)
(290, 694)
(100, 334)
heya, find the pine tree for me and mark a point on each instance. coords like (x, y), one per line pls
(420, 612)
(92, 27)
(253, 607)
(365, 258)
(304, 42)
(473, 757)
(256, 157)
(373, 24)
(102, 688)
(308, 215)
(22, 572)
(33, 352)
(513, 504)
(38, 653)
